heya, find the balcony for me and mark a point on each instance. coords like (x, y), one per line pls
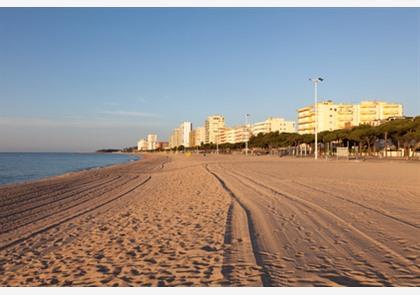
(304, 109)
(305, 115)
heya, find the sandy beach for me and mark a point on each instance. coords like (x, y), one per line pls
(172, 220)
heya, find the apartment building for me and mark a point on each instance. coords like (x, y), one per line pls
(151, 142)
(142, 145)
(368, 112)
(175, 138)
(197, 136)
(345, 116)
(163, 145)
(221, 136)
(332, 116)
(181, 135)
(214, 129)
(273, 125)
(147, 144)
(185, 128)
(238, 134)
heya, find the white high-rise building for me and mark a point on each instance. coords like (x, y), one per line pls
(151, 142)
(186, 128)
(142, 145)
(181, 135)
(214, 129)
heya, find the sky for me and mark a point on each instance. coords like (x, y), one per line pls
(80, 79)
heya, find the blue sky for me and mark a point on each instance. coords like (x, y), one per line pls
(82, 79)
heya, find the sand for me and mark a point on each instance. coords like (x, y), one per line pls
(172, 220)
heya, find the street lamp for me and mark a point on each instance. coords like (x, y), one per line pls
(247, 134)
(316, 81)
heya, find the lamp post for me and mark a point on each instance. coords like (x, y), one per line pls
(316, 81)
(247, 134)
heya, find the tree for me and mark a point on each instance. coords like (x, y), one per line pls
(364, 134)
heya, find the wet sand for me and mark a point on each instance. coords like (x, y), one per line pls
(215, 221)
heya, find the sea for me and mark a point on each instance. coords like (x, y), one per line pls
(20, 167)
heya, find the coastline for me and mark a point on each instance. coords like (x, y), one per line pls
(46, 178)
(172, 220)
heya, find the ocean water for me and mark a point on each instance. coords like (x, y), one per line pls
(18, 167)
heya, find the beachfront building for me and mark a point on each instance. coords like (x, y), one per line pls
(344, 115)
(175, 139)
(230, 135)
(238, 134)
(181, 136)
(151, 142)
(332, 116)
(214, 129)
(142, 145)
(197, 136)
(162, 145)
(367, 112)
(186, 128)
(222, 135)
(273, 125)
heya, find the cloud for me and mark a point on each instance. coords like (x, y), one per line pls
(129, 113)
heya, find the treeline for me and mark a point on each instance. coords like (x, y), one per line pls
(124, 150)
(108, 150)
(395, 134)
(212, 146)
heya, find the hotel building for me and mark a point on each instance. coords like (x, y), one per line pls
(332, 116)
(368, 112)
(273, 125)
(197, 136)
(151, 142)
(186, 128)
(214, 129)
(142, 145)
(181, 135)
(175, 138)
(238, 134)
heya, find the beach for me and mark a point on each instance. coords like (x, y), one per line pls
(215, 220)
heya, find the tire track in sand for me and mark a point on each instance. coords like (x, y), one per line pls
(383, 213)
(241, 255)
(53, 209)
(403, 261)
(74, 216)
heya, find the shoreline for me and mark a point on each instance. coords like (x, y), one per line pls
(69, 173)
